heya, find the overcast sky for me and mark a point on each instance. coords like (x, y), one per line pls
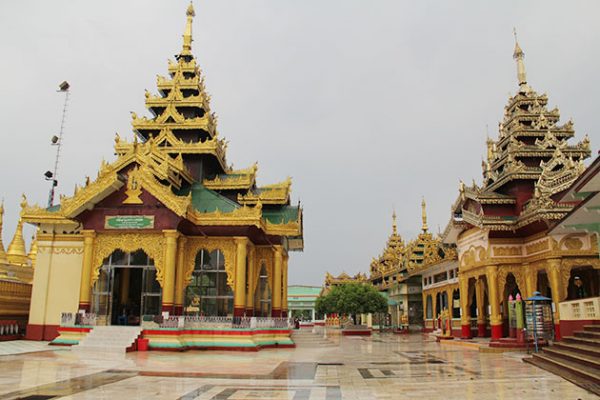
(367, 105)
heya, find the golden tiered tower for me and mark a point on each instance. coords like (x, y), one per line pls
(16, 253)
(171, 195)
(3, 258)
(501, 227)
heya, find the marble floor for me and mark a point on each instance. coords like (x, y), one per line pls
(379, 367)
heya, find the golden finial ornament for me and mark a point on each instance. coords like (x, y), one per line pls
(394, 225)
(2, 252)
(33, 251)
(16, 253)
(187, 33)
(518, 55)
(424, 215)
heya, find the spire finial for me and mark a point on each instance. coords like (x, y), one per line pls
(424, 215)
(187, 33)
(394, 226)
(518, 55)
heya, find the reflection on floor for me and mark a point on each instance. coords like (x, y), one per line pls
(379, 367)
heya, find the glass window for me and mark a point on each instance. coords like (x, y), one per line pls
(208, 292)
(119, 258)
(262, 296)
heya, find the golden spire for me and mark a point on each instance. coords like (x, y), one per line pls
(33, 250)
(394, 226)
(2, 252)
(518, 55)
(187, 34)
(424, 216)
(16, 253)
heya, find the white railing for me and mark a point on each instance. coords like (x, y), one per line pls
(78, 319)
(203, 322)
(581, 309)
(186, 322)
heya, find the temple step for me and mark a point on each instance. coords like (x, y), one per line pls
(108, 339)
(591, 328)
(587, 333)
(575, 358)
(578, 348)
(583, 376)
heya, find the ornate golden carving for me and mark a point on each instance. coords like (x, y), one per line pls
(507, 251)
(573, 243)
(264, 255)
(537, 247)
(152, 243)
(195, 244)
(134, 188)
(60, 250)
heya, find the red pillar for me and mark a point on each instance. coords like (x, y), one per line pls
(557, 335)
(497, 331)
(466, 331)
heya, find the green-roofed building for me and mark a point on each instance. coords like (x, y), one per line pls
(302, 300)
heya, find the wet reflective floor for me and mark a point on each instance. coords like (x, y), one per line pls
(380, 367)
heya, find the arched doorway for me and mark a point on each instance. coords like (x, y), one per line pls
(262, 294)
(126, 289)
(511, 289)
(587, 284)
(208, 292)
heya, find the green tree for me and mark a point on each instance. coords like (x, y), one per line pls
(352, 299)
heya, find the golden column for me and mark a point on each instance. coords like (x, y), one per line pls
(180, 277)
(465, 315)
(495, 318)
(168, 293)
(251, 281)
(276, 306)
(239, 294)
(284, 286)
(480, 297)
(85, 288)
(553, 270)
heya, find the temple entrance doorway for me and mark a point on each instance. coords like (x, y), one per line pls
(126, 290)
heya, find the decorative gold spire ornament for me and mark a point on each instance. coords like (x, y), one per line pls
(16, 253)
(2, 252)
(394, 226)
(187, 34)
(134, 187)
(33, 251)
(518, 55)
(424, 215)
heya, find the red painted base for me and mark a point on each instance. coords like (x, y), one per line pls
(481, 331)
(249, 312)
(520, 336)
(166, 307)
(497, 331)
(465, 331)
(239, 311)
(84, 306)
(275, 313)
(356, 332)
(178, 309)
(512, 332)
(41, 332)
(284, 314)
(557, 331)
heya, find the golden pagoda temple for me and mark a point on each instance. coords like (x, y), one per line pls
(16, 276)
(501, 228)
(385, 269)
(168, 227)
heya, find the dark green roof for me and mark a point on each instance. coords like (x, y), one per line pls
(206, 200)
(281, 215)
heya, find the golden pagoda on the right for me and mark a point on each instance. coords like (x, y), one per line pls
(501, 228)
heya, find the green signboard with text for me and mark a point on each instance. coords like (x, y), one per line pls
(129, 222)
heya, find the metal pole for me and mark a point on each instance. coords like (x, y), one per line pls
(54, 181)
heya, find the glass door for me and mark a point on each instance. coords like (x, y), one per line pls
(102, 295)
(151, 293)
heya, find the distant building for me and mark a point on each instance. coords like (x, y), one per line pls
(302, 301)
